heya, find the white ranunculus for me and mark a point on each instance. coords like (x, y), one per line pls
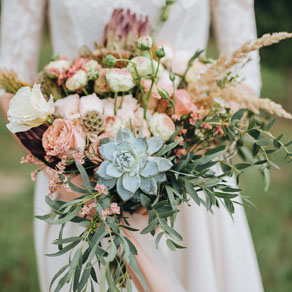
(91, 65)
(28, 108)
(55, 68)
(119, 80)
(68, 107)
(78, 80)
(161, 125)
(144, 66)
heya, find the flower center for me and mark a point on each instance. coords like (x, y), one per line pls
(93, 121)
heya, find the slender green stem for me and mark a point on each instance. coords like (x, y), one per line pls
(150, 90)
(115, 103)
(85, 91)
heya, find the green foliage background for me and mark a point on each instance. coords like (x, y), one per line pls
(270, 221)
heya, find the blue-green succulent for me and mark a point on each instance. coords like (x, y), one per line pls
(130, 165)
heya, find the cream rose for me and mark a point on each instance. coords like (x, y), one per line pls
(68, 107)
(119, 79)
(28, 108)
(161, 125)
(78, 80)
(62, 138)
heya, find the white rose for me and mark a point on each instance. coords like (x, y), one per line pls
(119, 80)
(28, 108)
(78, 80)
(161, 125)
(55, 68)
(144, 66)
(68, 107)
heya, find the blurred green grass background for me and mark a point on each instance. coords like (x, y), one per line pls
(270, 221)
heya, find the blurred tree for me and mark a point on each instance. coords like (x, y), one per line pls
(275, 16)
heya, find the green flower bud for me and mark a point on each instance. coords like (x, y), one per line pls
(92, 74)
(171, 76)
(160, 53)
(109, 61)
(145, 43)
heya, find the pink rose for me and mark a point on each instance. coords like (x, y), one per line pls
(183, 102)
(68, 107)
(61, 137)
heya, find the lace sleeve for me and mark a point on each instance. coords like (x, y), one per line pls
(234, 24)
(21, 28)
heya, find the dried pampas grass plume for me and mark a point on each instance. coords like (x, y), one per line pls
(218, 70)
(240, 96)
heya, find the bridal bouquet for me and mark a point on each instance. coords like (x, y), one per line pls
(144, 128)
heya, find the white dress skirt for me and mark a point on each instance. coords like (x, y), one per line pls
(220, 255)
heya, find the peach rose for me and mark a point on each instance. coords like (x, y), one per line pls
(62, 137)
(183, 102)
(155, 96)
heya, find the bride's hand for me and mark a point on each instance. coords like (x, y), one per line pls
(4, 103)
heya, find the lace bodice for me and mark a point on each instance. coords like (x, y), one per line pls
(74, 23)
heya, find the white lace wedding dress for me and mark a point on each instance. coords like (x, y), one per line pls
(220, 255)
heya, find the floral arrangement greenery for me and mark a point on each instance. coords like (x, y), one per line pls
(141, 133)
